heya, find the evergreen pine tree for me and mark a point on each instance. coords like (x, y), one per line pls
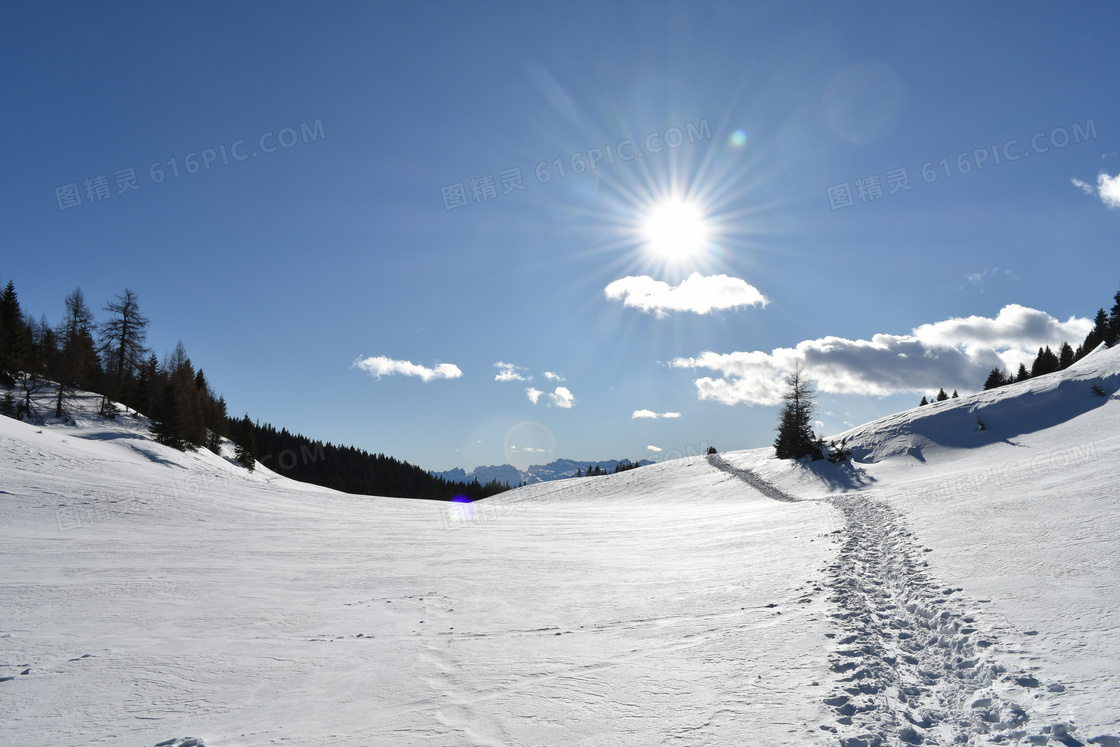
(147, 385)
(924, 402)
(995, 379)
(795, 433)
(1098, 334)
(955, 395)
(78, 365)
(246, 444)
(167, 419)
(1114, 322)
(941, 395)
(839, 453)
(1023, 374)
(1065, 357)
(13, 333)
(1046, 362)
(218, 424)
(122, 342)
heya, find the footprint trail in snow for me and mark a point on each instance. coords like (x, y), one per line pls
(913, 666)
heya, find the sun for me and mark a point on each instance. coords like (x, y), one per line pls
(675, 229)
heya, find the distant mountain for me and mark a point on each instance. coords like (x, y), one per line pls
(507, 473)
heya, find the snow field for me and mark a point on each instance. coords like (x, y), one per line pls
(948, 586)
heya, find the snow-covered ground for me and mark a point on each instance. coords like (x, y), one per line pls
(951, 585)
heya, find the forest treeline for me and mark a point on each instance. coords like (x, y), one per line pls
(1106, 329)
(110, 358)
(357, 471)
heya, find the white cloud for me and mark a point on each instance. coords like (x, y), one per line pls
(653, 448)
(562, 397)
(956, 353)
(651, 414)
(978, 280)
(510, 372)
(1084, 187)
(553, 376)
(1014, 326)
(1108, 188)
(697, 293)
(379, 366)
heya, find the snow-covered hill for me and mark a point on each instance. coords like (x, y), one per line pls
(950, 586)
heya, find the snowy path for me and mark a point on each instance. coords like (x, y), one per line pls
(914, 666)
(750, 478)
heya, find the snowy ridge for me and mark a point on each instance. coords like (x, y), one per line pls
(1025, 407)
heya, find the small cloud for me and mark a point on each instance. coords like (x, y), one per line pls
(698, 293)
(553, 376)
(1109, 189)
(653, 448)
(562, 397)
(651, 414)
(510, 372)
(378, 366)
(978, 280)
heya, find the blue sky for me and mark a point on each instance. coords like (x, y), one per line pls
(328, 275)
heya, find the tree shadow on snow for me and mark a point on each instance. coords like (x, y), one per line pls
(842, 477)
(153, 456)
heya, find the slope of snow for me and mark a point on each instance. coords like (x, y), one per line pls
(951, 586)
(1021, 518)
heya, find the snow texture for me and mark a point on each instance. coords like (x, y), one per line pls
(947, 586)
